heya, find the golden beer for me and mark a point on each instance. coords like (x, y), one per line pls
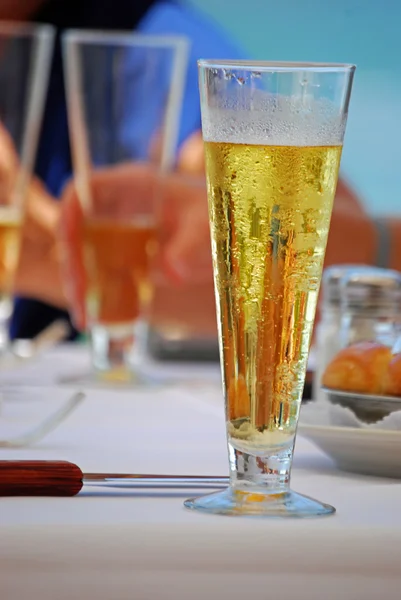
(117, 256)
(270, 209)
(10, 234)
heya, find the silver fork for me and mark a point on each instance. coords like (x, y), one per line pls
(46, 426)
(23, 351)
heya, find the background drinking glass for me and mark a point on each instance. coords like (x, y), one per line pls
(182, 317)
(25, 57)
(124, 95)
(273, 138)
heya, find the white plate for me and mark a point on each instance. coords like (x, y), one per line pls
(366, 451)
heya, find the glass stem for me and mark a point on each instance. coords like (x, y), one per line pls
(260, 474)
(112, 347)
(6, 307)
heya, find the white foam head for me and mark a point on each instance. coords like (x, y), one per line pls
(254, 116)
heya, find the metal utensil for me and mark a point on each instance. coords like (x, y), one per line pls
(62, 478)
(23, 350)
(39, 431)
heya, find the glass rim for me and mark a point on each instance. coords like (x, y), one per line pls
(275, 66)
(122, 38)
(23, 29)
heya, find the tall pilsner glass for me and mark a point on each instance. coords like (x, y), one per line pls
(124, 93)
(273, 137)
(25, 59)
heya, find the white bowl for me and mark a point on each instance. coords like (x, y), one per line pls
(368, 451)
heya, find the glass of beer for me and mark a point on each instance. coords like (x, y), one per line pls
(273, 136)
(124, 94)
(25, 58)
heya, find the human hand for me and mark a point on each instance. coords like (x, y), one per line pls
(37, 270)
(188, 255)
(180, 199)
(38, 273)
(9, 165)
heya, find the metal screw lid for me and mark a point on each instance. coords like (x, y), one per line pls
(331, 280)
(371, 289)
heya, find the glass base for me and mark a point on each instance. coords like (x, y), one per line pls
(117, 357)
(235, 502)
(112, 379)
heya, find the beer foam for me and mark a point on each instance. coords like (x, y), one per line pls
(266, 119)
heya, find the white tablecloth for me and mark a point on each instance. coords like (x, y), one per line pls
(111, 544)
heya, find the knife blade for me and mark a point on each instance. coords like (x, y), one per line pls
(62, 478)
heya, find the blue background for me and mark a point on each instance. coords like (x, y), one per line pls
(364, 32)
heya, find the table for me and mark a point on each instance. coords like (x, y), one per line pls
(116, 544)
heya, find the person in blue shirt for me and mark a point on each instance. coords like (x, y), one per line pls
(53, 166)
(353, 236)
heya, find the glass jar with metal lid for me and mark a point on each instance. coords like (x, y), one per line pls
(327, 334)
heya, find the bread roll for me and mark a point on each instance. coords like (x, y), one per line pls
(393, 382)
(360, 368)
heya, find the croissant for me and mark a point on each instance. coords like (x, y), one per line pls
(361, 368)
